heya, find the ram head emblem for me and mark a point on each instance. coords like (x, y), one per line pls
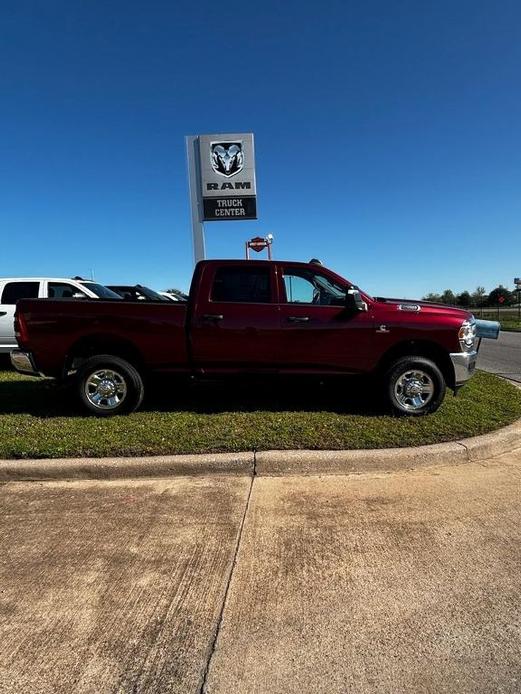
(227, 158)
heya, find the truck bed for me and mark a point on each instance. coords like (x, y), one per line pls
(58, 327)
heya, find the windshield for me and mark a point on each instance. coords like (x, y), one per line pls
(101, 291)
(137, 292)
(175, 295)
(145, 293)
(150, 294)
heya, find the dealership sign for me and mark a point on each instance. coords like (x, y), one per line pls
(221, 170)
(227, 166)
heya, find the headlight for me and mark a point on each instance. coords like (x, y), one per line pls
(467, 336)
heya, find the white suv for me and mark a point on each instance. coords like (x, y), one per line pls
(12, 289)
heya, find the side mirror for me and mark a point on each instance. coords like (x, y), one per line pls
(487, 328)
(354, 301)
(79, 295)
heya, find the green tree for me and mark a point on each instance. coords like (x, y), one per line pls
(478, 296)
(435, 298)
(464, 299)
(495, 296)
(448, 297)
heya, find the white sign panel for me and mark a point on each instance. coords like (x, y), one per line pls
(227, 168)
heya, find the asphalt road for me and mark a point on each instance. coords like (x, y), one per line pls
(502, 356)
(399, 582)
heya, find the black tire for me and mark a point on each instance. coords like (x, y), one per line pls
(408, 375)
(120, 392)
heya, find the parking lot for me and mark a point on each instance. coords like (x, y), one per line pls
(502, 357)
(405, 582)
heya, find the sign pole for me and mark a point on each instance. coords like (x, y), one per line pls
(194, 178)
(258, 244)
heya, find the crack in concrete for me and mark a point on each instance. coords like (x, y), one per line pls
(460, 443)
(203, 687)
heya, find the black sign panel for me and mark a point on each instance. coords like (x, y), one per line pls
(229, 208)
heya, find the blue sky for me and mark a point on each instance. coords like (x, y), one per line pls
(388, 136)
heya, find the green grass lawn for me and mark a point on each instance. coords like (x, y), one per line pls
(38, 420)
(510, 324)
(508, 318)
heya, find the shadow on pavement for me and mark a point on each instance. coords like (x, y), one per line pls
(5, 363)
(43, 398)
(273, 394)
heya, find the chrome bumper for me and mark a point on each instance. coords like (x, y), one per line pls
(23, 362)
(464, 364)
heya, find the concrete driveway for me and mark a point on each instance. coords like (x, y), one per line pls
(114, 587)
(390, 582)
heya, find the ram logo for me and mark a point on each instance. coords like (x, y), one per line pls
(227, 158)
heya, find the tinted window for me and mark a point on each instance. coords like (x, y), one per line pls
(19, 290)
(298, 289)
(62, 290)
(307, 287)
(248, 285)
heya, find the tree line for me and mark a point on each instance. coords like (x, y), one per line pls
(500, 296)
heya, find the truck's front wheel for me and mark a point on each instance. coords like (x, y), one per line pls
(414, 386)
(108, 385)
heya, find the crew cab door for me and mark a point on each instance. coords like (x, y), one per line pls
(318, 332)
(235, 321)
(10, 292)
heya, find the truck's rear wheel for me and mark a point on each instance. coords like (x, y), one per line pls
(414, 386)
(108, 385)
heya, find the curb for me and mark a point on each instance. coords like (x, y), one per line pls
(267, 463)
(121, 468)
(469, 450)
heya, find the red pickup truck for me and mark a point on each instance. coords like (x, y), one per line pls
(245, 316)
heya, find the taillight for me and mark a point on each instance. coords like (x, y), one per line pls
(20, 327)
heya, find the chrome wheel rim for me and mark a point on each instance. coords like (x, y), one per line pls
(414, 389)
(105, 389)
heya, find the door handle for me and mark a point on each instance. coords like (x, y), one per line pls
(3, 313)
(213, 316)
(298, 319)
